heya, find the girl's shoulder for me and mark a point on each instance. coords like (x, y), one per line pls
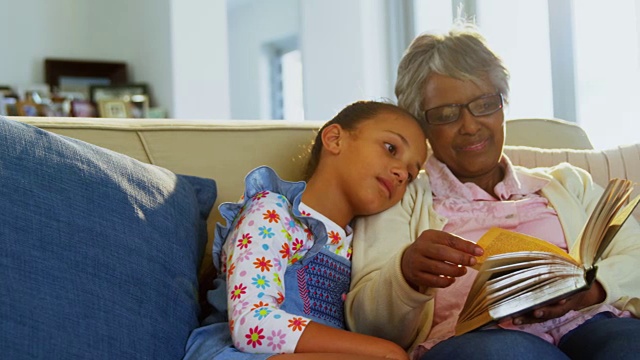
(263, 181)
(264, 188)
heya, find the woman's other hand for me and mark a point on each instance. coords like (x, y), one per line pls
(594, 295)
(436, 258)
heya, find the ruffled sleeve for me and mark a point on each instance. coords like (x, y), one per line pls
(264, 234)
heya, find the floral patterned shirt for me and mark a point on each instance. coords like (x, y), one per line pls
(265, 240)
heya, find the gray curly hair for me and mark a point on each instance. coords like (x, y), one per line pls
(462, 54)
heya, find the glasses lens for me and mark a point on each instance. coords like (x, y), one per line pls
(486, 105)
(443, 114)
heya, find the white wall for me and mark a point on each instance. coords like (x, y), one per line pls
(251, 25)
(200, 59)
(526, 53)
(344, 54)
(608, 71)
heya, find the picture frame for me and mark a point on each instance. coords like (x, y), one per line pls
(7, 91)
(10, 108)
(33, 92)
(123, 92)
(8, 99)
(78, 75)
(56, 107)
(83, 108)
(114, 108)
(27, 108)
(139, 105)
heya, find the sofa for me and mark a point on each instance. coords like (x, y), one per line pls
(106, 224)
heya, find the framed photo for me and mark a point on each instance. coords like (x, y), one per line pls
(83, 108)
(78, 75)
(37, 93)
(7, 91)
(114, 108)
(27, 108)
(139, 105)
(122, 92)
(10, 106)
(8, 99)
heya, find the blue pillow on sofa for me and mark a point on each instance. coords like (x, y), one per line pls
(99, 253)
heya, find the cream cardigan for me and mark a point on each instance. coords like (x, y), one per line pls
(382, 304)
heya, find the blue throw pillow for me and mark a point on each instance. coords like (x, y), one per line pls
(99, 253)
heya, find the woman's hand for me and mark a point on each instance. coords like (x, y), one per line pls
(436, 258)
(594, 295)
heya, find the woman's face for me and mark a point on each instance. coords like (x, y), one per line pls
(472, 145)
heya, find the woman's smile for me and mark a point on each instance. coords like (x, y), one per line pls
(476, 146)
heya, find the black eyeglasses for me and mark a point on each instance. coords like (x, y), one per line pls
(482, 106)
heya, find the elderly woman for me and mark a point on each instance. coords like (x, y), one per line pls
(410, 263)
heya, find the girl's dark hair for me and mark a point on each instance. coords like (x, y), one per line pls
(349, 118)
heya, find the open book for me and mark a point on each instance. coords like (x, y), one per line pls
(518, 273)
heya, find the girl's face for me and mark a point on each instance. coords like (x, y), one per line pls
(380, 157)
(471, 146)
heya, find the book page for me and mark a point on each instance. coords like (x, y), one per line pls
(598, 232)
(473, 323)
(615, 225)
(596, 216)
(512, 263)
(499, 287)
(499, 241)
(513, 281)
(608, 204)
(546, 276)
(509, 270)
(509, 288)
(549, 292)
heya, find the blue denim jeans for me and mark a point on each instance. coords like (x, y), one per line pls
(602, 337)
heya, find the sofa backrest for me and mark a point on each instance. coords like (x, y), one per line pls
(227, 150)
(547, 134)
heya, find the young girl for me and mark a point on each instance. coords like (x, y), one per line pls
(284, 258)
